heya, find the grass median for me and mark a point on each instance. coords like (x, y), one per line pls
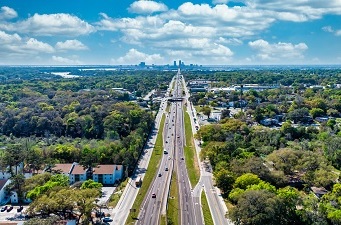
(115, 197)
(206, 210)
(150, 174)
(173, 202)
(190, 154)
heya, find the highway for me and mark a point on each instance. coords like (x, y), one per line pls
(121, 211)
(155, 201)
(216, 204)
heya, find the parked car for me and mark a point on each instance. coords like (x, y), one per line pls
(3, 209)
(107, 219)
(20, 208)
(9, 209)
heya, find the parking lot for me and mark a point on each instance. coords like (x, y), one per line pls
(13, 215)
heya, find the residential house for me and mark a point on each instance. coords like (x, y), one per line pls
(319, 191)
(3, 184)
(107, 174)
(78, 173)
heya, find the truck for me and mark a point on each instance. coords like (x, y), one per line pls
(138, 181)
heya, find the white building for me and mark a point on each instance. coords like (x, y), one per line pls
(3, 184)
(105, 174)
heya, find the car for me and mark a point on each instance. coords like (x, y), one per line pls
(166, 169)
(182, 158)
(169, 158)
(153, 195)
(159, 174)
(107, 219)
(166, 141)
(9, 209)
(3, 209)
(20, 208)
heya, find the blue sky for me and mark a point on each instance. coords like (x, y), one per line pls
(216, 32)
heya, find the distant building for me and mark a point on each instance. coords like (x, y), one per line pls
(174, 63)
(142, 64)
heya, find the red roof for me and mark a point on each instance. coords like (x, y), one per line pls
(2, 183)
(64, 167)
(106, 169)
(78, 169)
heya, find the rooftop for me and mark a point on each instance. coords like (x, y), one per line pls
(62, 167)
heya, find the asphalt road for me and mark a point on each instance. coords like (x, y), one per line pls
(216, 204)
(155, 201)
(121, 211)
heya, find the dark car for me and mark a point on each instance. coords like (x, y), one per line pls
(153, 195)
(159, 175)
(20, 208)
(3, 209)
(166, 169)
(9, 208)
(107, 219)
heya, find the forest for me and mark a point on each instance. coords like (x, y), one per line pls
(58, 120)
(270, 174)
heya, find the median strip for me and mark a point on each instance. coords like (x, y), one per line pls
(190, 154)
(173, 202)
(150, 174)
(206, 210)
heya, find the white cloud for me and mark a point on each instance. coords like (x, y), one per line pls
(277, 51)
(64, 60)
(133, 56)
(35, 45)
(215, 2)
(7, 13)
(298, 10)
(14, 45)
(50, 25)
(147, 7)
(331, 30)
(328, 29)
(71, 45)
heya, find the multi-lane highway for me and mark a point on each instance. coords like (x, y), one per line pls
(155, 201)
(173, 159)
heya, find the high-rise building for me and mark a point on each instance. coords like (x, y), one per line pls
(180, 63)
(174, 63)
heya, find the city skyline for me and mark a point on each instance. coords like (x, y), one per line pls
(218, 32)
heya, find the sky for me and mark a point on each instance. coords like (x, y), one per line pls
(215, 32)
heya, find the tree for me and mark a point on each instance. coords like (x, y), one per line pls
(206, 110)
(224, 180)
(57, 180)
(12, 157)
(16, 185)
(246, 180)
(90, 184)
(315, 112)
(66, 203)
(255, 207)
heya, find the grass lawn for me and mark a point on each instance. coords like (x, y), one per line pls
(173, 202)
(115, 197)
(190, 154)
(206, 210)
(150, 174)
